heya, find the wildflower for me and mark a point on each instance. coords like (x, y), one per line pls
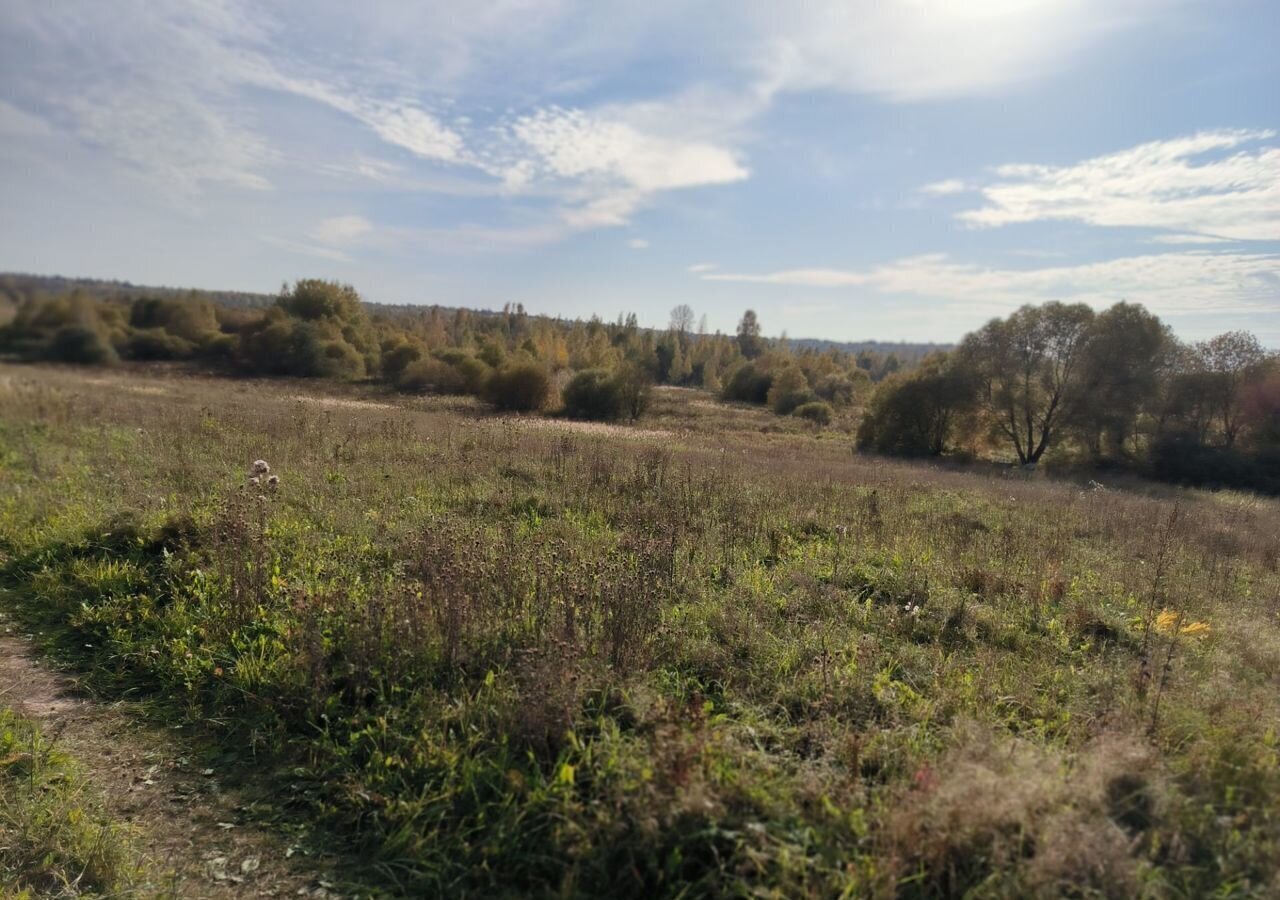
(1167, 621)
(1196, 629)
(260, 467)
(255, 480)
(273, 481)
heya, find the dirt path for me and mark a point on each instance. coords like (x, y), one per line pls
(187, 826)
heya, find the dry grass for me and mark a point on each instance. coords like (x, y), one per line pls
(512, 659)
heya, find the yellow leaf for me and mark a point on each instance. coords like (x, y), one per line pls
(565, 775)
(1196, 629)
(1168, 621)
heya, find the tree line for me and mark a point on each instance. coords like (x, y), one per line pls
(516, 361)
(1111, 388)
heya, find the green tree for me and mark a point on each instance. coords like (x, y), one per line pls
(1232, 361)
(919, 413)
(750, 344)
(1030, 367)
(1123, 365)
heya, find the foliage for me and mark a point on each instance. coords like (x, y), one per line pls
(82, 344)
(593, 394)
(519, 387)
(918, 414)
(816, 411)
(788, 390)
(433, 376)
(748, 384)
(1030, 366)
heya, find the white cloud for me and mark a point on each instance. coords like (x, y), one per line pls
(1167, 283)
(1163, 184)
(638, 244)
(697, 268)
(1187, 239)
(945, 187)
(341, 229)
(605, 168)
(911, 50)
(154, 93)
(805, 310)
(305, 249)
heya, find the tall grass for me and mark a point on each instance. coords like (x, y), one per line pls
(512, 660)
(55, 840)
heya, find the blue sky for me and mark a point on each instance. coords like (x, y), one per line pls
(901, 169)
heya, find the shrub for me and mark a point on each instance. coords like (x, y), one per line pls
(836, 389)
(815, 411)
(433, 376)
(81, 344)
(156, 343)
(519, 387)
(789, 390)
(397, 358)
(916, 414)
(635, 386)
(474, 374)
(593, 394)
(748, 384)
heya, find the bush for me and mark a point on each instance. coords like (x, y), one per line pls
(593, 394)
(815, 411)
(519, 387)
(156, 343)
(433, 376)
(635, 386)
(397, 358)
(836, 389)
(917, 414)
(748, 385)
(790, 389)
(1182, 460)
(474, 374)
(81, 344)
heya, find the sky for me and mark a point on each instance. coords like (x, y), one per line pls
(866, 169)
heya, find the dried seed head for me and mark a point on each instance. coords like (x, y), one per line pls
(260, 467)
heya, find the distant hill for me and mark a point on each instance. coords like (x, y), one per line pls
(15, 286)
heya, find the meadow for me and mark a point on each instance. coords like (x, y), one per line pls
(716, 653)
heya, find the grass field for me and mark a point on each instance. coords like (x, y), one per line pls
(710, 655)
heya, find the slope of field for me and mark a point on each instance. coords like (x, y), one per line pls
(500, 660)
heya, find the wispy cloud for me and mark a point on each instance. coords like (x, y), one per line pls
(1185, 184)
(341, 229)
(697, 268)
(945, 187)
(1168, 283)
(638, 244)
(302, 248)
(913, 51)
(605, 168)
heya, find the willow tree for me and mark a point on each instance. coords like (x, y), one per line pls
(1029, 370)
